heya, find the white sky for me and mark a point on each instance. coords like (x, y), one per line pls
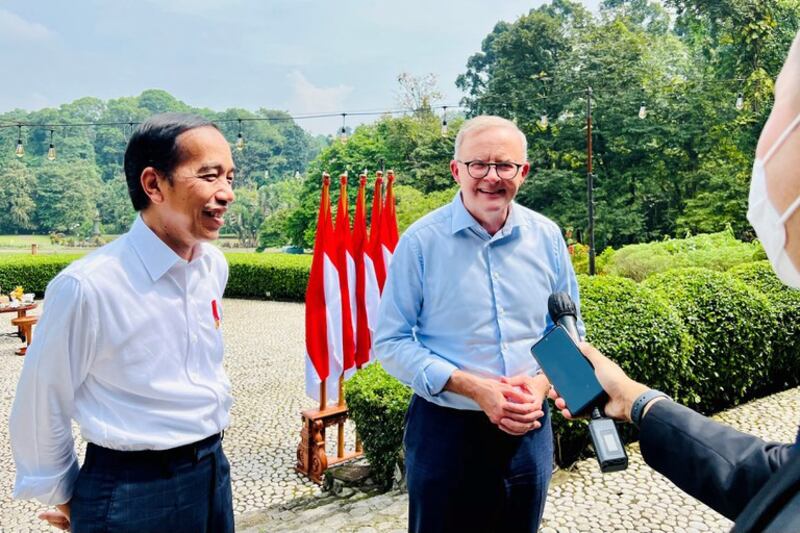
(303, 56)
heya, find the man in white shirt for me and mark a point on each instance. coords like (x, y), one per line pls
(129, 346)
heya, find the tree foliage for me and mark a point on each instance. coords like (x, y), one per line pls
(65, 195)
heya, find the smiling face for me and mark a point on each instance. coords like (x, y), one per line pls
(188, 208)
(487, 199)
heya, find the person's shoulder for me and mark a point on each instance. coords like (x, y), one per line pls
(536, 220)
(216, 257)
(98, 261)
(436, 221)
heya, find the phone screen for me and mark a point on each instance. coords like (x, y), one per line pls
(568, 370)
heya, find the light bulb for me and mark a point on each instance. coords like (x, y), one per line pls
(740, 102)
(643, 111)
(20, 151)
(51, 152)
(239, 142)
(543, 122)
(343, 135)
(444, 127)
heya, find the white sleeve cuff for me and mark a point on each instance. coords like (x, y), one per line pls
(50, 490)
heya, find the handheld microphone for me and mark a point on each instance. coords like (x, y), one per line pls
(608, 447)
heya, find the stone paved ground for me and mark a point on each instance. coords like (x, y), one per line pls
(264, 346)
(581, 500)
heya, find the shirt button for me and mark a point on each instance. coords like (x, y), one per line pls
(193, 338)
(504, 346)
(495, 276)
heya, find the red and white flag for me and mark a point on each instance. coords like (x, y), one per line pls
(389, 233)
(346, 268)
(323, 308)
(367, 291)
(374, 247)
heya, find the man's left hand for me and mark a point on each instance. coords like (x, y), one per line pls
(536, 388)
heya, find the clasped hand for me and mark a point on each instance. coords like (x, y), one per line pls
(514, 404)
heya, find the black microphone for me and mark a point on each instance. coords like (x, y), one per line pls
(563, 312)
(608, 446)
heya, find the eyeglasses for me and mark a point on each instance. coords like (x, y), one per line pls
(480, 169)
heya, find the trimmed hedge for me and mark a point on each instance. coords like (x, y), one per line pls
(377, 403)
(642, 333)
(32, 272)
(732, 326)
(784, 371)
(716, 251)
(268, 276)
(271, 276)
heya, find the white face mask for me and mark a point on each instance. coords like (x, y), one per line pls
(766, 220)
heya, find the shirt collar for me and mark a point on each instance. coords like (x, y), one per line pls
(154, 253)
(462, 219)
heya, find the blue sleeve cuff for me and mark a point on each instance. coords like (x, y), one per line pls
(432, 378)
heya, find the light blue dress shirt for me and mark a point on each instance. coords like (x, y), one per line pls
(459, 298)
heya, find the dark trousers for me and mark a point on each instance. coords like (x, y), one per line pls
(465, 474)
(186, 489)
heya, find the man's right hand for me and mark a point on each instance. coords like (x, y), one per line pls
(622, 391)
(59, 517)
(513, 410)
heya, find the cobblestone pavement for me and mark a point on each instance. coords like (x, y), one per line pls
(264, 347)
(580, 500)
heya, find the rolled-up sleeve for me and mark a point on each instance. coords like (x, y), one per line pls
(395, 343)
(56, 364)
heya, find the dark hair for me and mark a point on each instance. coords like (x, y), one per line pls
(154, 144)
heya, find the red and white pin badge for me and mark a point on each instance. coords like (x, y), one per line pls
(215, 312)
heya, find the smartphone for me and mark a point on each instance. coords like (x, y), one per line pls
(569, 371)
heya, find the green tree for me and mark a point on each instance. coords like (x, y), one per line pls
(17, 185)
(66, 197)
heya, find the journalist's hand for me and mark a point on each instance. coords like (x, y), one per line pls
(58, 518)
(622, 391)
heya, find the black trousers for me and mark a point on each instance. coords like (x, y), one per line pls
(465, 474)
(186, 489)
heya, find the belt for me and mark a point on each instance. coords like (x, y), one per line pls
(192, 452)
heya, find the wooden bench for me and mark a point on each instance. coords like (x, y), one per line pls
(25, 324)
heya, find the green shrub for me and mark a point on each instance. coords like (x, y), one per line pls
(784, 371)
(716, 251)
(732, 326)
(270, 276)
(639, 330)
(32, 272)
(377, 403)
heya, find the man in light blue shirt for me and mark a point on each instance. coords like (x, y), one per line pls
(465, 299)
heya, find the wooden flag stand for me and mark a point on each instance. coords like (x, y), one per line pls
(312, 460)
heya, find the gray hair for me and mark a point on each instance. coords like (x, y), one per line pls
(485, 122)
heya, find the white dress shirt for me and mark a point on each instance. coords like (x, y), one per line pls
(127, 346)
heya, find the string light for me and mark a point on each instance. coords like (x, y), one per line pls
(739, 102)
(343, 130)
(20, 151)
(643, 111)
(51, 152)
(444, 121)
(239, 138)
